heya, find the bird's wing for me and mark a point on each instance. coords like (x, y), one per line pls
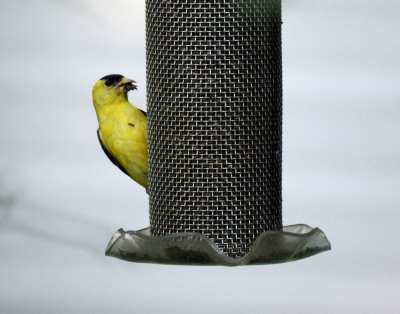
(109, 154)
(144, 112)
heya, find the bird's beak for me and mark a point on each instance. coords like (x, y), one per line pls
(125, 85)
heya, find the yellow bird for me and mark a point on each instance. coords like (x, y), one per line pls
(122, 128)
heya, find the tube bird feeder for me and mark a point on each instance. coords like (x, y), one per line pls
(214, 97)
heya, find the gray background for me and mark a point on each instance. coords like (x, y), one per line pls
(61, 199)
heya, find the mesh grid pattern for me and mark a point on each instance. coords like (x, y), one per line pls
(214, 89)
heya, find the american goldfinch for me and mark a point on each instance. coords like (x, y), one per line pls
(122, 128)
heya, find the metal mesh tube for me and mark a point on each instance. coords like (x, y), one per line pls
(214, 88)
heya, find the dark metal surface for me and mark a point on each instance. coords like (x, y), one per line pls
(214, 87)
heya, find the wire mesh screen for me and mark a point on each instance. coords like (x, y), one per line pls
(214, 88)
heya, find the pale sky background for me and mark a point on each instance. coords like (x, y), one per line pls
(61, 199)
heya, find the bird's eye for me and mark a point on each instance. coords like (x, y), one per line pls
(108, 83)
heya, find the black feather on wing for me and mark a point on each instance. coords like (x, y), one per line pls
(109, 155)
(144, 112)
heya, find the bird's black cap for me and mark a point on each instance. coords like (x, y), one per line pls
(112, 79)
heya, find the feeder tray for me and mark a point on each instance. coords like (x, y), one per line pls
(293, 243)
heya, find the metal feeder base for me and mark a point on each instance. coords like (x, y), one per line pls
(293, 243)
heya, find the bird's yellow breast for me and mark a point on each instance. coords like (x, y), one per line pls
(123, 129)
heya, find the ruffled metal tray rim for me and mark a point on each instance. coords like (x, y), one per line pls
(294, 242)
